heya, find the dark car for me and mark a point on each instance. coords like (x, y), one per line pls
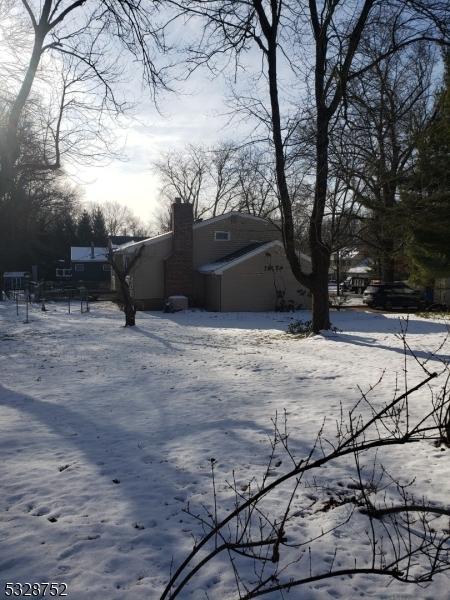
(392, 295)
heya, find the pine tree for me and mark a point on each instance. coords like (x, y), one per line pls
(428, 199)
(100, 235)
(84, 229)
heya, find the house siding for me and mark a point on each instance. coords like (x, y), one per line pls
(250, 285)
(91, 273)
(243, 231)
(147, 276)
(213, 286)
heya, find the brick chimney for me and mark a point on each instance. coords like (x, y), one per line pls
(179, 270)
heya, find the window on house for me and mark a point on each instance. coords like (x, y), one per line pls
(63, 272)
(222, 236)
(79, 267)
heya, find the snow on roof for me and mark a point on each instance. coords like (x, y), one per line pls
(360, 270)
(146, 242)
(84, 254)
(12, 274)
(196, 225)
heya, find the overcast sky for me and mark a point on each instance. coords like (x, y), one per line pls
(197, 116)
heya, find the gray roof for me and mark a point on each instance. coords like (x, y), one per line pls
(238, 256)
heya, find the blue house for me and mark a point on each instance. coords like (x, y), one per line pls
(89, 266)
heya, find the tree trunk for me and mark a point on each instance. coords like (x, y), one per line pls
(320, 303)
(9, 152)
(320, 256)
(387, 262)
(130, 314)
(129, 308)
(320, 251)
(280, 167)
(387, 255)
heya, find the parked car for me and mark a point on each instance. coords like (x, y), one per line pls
(393, 295)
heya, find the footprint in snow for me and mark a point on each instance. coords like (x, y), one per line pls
(40, 512)
(64, 568)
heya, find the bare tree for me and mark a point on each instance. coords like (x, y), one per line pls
(122, 267)
(218, 180)
(120, 219)
(42, 198)
(256, 182)
(77, 31)
(183, 175)
(281, 31)
(375, 145)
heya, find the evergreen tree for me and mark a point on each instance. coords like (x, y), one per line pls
(84, 229)
(62, 235)
(428, 198)
(100, 235)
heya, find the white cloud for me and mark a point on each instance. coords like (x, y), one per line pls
(197, 115)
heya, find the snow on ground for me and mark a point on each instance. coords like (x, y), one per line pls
(107, 432)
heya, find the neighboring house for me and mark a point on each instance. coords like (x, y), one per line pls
(15, 280)
(89, 266)
(359, 276)
(233, 262)
(343, 260)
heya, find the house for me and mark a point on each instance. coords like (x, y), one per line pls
(232, 262)
(89, 266)
(15, 280)
(359, 276)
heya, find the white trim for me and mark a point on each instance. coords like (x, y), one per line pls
(227, 215)
(14, 274)
(222, 239)
(63, 272)
(147, 242)
(216, 269)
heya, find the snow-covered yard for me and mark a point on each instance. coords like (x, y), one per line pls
(107, 432)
